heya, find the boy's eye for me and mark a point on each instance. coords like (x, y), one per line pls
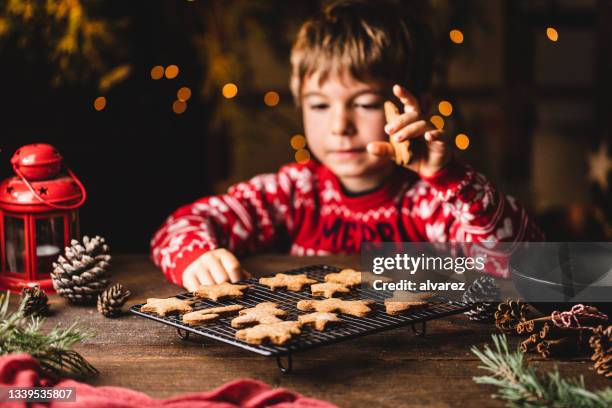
(319, 106)
(369, 105)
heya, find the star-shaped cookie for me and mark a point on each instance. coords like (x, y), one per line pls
(395, 307)
(357, 308)
(263, 313)
(163, 307)
(208, 315)
(406, 301)
(346, 277)
(220, 290)
(319, 320)
(294, 283)
(277, 333)
(328, 289)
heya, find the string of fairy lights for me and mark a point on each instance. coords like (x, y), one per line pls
(272, 99)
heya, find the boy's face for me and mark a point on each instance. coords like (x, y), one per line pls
(341, 116)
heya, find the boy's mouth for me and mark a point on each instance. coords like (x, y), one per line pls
(348, 152)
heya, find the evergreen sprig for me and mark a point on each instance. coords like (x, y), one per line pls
(22, 334)
(522, 386)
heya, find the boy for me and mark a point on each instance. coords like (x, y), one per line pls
(345, 62)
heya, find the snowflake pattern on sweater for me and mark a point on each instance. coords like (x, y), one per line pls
(306, 203)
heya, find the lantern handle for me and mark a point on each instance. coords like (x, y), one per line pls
(50, 204)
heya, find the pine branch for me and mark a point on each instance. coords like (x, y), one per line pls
(22, 334)
(522, 386)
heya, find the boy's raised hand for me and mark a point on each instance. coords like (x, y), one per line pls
(215, 266)
(410, 125)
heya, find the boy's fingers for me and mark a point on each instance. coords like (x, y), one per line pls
(437, 136)
(409, 101)
(216, 269)
(231, 265)
(381, 149)
(204, 278)
(190, 281)
(411, 131)
(402, 120)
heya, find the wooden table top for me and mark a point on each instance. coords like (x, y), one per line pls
(388, 369)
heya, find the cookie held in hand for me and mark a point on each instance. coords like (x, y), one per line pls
(163, 307)
(319, 320)
(401, 149)
(263, 313)
(220, 290)
(277, 333)
(294, 283)
(357, 308)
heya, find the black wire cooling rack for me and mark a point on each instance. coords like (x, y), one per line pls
(351, 326)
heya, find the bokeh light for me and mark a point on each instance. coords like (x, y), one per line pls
(229, 90)
(445, 108)
(298, 142)
(456, 36)
(552, 34)
(271, 98)
(179, 107)
(437, 121)
(99, 103)
(302, 156)
(462, 141)
(157, 72)
(183, 94)
(172, 71)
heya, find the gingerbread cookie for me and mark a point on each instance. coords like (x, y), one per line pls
(328, 289)
(208, 315)
(163, 307)
(407, 301)
(221, 290)
(196, 318)
(396, 307)
(357, 308)
(346, 277)
(294, 283)
(319, 320)
(277, 333)
(401, 150)
(263, 313)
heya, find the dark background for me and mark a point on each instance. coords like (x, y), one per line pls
(139, 160)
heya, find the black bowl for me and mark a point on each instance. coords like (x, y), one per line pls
(555, 276)
(548, 296)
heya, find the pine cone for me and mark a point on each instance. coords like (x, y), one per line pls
(601, 343)
(509, 314)
(81, 274)
(482, 294)
(37, 302)
(112, 299)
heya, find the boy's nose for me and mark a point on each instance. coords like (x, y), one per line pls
(342, 124)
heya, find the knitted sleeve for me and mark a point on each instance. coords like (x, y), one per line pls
(246, 219)
(474, 213)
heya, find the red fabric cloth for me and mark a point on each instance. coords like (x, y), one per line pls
(305, 205)
(22, 370)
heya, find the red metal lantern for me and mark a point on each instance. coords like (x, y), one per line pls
(38, 216)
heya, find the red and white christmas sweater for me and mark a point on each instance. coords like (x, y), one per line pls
(305, 206)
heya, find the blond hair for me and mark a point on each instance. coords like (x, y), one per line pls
(369, 40)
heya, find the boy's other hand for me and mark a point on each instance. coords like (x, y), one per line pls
(216, 266)
(426, 161)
